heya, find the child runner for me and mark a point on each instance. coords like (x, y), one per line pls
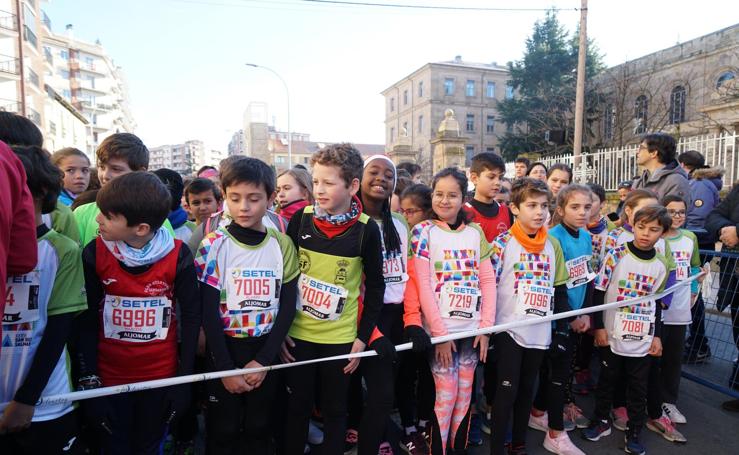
(537, 171)
(664, 376)
(628, 335)
(486, 170)
(203, 198)
(456, 289)
(249, 274)
(378, 184)
(336, 244)
(118, 154)
(294, 191)
(177, 217)
(136, 274)
(415, 204)
(558, 176)
(532, 278)
(76, 168)
(38, 319)
(550, 405)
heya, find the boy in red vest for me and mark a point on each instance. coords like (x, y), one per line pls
(486, 171)
(136, 273)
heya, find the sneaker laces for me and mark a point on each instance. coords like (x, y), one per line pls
(666, 423)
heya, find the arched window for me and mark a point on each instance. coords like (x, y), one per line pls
(677, 105)
(641, 112)
(725, 77)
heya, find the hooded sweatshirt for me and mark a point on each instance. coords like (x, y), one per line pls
(705, 185)
(669, 179)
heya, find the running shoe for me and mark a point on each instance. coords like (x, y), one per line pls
(597, 430)
(574, 414)
(415, 444)
(663, 426)
(633, 445)
(474, 436)
(673, 413)
(385, 449)
(561, 445)
(315, 434)
(540, 423)
(620, 418)
(350, 441)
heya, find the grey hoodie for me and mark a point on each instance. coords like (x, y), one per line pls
(669, 179)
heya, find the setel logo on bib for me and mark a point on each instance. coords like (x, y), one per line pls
(136, 319)
(321, 300)
(252, 289)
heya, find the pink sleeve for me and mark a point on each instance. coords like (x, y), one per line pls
(489, 293)
(428, 301)
(411, 304)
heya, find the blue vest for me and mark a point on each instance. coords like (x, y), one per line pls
(573, 248)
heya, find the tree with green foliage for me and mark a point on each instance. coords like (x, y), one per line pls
(544, 82)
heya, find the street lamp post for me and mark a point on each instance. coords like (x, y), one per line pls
(287, 92)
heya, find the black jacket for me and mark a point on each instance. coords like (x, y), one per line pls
(726, 213)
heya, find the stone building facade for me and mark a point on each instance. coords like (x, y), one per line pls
(416, 105)
(687, 89)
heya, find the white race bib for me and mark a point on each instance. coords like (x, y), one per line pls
(252, 289)
(136, 319)
(460, 301)
(534, 300)
(579, 272)
(21, 299)
(633, 326)
(321, 300)
(392, 270)
(682, 270)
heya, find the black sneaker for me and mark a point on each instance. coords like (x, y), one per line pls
(731, 405)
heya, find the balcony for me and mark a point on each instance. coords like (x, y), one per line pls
(48, 56)
(30, 38)
(8, 24)
(45, 20)
(34, 116)
(9, 69)
(7, 105)
(32, 77)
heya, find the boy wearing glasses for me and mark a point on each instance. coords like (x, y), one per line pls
(486, 172)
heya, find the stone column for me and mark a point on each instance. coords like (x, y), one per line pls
(449, 144)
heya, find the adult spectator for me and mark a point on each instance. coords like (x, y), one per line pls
(705, 184)
(723, 222)
(521, 165)
(413, 169)
(662, 173)
(18, 252)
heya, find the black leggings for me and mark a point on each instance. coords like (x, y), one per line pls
(234, 420)
(554, 376)
(673, 345)
(301, 384)
(517, 369)
(634, 373)
(137, 421)
(415, 389)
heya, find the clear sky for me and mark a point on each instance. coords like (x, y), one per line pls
(184, 59)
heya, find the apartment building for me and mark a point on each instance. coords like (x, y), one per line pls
(415, 105)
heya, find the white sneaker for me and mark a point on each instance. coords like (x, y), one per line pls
(561, 445)
(315, 435)
(540, 423)
(673, 413)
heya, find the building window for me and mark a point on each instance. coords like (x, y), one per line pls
(490, 149)
(469, 152)
(490, 90)
(470, 88)
(392, 134)
(64, 74)
(508, 92)
(609, 120)
(392, 104)
(66, 93)
(641, 112)
(448, 86)
(677, 105)
(305, 160)
(724, 78)
(420, 89)
(64, 54)
(470, 122)
(420, 123)
(405, 97)
(490, 124)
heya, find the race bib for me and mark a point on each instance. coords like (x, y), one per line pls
(393, 270)
(460, 302)
(682, 270)
(534, 300)
(136, 319)
(321, 300)
(21, 298)
(579, 272)
(633, 326)
(252, 289)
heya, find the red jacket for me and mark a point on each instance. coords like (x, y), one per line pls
(18, 249)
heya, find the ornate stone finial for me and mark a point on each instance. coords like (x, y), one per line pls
(449, 126)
